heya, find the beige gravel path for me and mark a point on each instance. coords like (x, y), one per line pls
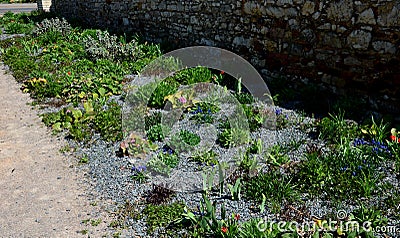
(40, 195)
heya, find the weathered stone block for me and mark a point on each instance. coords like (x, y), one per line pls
(270, 45)
(331, 39)
(384, 47)
(389, 16)
(308, 8)
(284, 2)
(367, 17)
(359, 39)
(241, 41)
(340, 11)
(279, 12)
(351, 61)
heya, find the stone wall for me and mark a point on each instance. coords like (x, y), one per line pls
(348, 46)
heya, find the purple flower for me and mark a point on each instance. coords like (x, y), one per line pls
(359, 141)
(182, 100)
(139, 169)
(278, 111)
(142, 168)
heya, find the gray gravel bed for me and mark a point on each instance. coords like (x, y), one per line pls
(111, 176)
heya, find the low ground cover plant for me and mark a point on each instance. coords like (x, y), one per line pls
(80, 74)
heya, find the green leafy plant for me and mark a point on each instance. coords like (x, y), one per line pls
(252, 229)
(125, 211)
(156, 132)
(19, 61)
(225, 138)
(235, 190)
(203, 112)
(136, 146)
(139, 173)
(164, 162)
(376, 131)
(277, 187)
(233, 137)
(335, 128)
(184, 140)
(182, 99)
(16, 23)
(348, 170)
(256, 147)
(248, 163)
(244, 98)
(282, 120)
(164, 90)
(371, 215)
(108, 122)
(152, 119)
(277, 156)
(84, 159)
(161, 215)
(70, 119)
(254, 115)
(208, 158)
(189, 137)
(208, 180)
(205, 223)
(193, 75)
(17, 28)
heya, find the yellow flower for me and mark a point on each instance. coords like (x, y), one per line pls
(42, 80)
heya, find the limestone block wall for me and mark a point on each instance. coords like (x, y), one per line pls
(348, 46)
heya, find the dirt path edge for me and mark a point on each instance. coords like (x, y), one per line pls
(40, 195)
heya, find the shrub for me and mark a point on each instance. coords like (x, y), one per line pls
(52, 25)
(106, 46)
